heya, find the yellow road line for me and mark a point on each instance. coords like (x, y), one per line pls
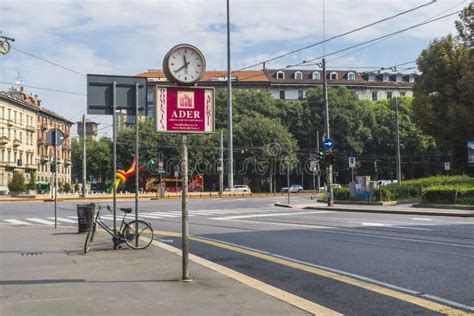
(280, 294)
(437, 307)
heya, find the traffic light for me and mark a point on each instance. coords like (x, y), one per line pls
(331, 157)
(320, 155)
(53, 167)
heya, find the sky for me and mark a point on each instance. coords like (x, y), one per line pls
(127, 37)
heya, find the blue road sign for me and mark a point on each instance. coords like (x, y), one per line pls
(328, 143)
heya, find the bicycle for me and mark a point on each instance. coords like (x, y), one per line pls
(129, 233)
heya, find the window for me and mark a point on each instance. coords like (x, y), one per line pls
(398, 78)
(282, 94)
(149, 97)
(14, 116)
(402, 94)
(298, 75)
(316, 75)
(280, 75)
(374, 96)
(351, 76)
(386, 77)
(371, 77)
(333, 75)
(21, 118)
(412, 78)
(300, 94)
(389, 94)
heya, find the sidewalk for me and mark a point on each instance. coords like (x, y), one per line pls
(44, 272)
(404, 209)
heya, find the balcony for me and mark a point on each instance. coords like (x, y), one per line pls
(30, 128)
(31, 166)
(44, 159)
(16, 142)
(44, 126)
(4, 140)
(67, 163)
(9, 122)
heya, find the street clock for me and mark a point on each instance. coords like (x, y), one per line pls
(184, 64)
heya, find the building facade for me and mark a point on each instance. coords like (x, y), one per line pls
(24, 124)
(18, 119)
(91, 129)
(294, 84)
(48, 120)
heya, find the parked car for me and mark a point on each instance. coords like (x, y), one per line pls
(385, 182)
(294, 188)
(239, 188)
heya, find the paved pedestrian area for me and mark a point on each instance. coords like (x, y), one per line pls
(44, 272)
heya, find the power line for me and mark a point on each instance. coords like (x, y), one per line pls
(41, 88)
(338, 36)
(360, 44)
(48, 61)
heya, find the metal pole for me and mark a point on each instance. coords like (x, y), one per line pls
(271, 176)
(288, 178)
(318, 165)
(221, 164)
(184, 208)
(326, 109)
(84, 165)
(399, 167)
(137, 158)
(114, 145)
(55, 179)
(230, 150)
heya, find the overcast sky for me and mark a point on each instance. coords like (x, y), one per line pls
(126, 37)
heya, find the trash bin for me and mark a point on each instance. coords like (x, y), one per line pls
(85, 216)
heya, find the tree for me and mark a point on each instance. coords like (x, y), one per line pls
(32, 183)
(444, 92)
(17, 182)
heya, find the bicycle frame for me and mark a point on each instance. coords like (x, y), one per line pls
(101, 223)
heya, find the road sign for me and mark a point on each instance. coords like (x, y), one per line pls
(100, 93)
(313, 166)
(328, 144)
(187, 110)
(352, 162)
(52, 135)
(447, 166)
(176, 173)
(313, 157)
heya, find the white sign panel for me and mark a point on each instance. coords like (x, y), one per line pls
(447, 166)
(352, 162)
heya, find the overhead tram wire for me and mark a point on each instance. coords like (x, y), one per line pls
(47, 89)
(377, 42)
(358, 45)
(337, 36)
(48, 61)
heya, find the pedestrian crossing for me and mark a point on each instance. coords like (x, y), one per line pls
(145, 215)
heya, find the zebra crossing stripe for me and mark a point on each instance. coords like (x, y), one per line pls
(62, 219)
(149, 216)
(41, 221)
(16, 222)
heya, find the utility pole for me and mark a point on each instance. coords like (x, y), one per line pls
(114, 150)
(221, 164)
(318, 169)
(230, 144)
(184, 209)
(399, 167)
(326, 109)
(288, 177)
(137, 158)
(55, 178)
(84, 177)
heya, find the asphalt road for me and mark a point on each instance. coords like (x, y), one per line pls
(360, 263)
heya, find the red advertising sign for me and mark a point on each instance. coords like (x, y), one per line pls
(184, 110)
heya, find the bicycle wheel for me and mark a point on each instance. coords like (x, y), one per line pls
(138, 234)
(90, 238)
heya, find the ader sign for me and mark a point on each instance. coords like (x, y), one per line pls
(184, 109)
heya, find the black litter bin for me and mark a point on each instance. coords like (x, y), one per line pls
(85, 216)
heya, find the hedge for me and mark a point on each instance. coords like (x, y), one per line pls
(341, 194)
(449, 194)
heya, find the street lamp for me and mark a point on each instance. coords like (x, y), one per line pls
(287, 159)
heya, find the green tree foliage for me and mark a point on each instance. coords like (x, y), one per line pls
(17, 182)
(32, 183)
(444, 92)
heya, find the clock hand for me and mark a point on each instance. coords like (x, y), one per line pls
(185, 62)
(183, 66)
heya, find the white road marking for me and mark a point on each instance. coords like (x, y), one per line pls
(268, 215)
(372, 224)
(17, 222)
(150, 216)
(41, 221)
(62, 219)
(164, 214)
(335, 230)
(422, 219)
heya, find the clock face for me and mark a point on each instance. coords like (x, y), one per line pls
(184, 64)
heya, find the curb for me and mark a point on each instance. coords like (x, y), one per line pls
(444, 206)
(431, 213)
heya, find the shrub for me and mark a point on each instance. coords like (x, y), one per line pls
(341, 194)
(17, 182)
(67, 187)
(32, 183)
(77, 187)
(449, 194)
(382, 194)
